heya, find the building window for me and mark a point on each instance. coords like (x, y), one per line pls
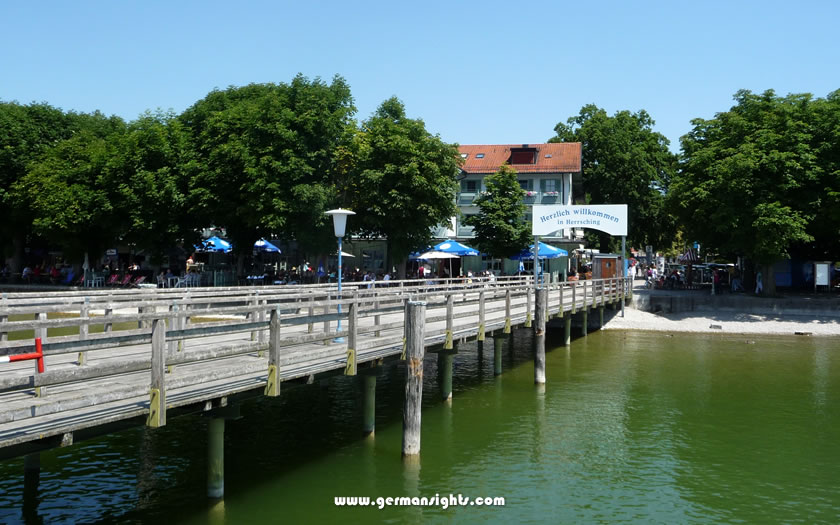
(523, 156)
(479, 155)
(488, 263)
(469, 186)
(552, 187)
(526, 184)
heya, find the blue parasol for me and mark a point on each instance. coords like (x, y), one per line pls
(455, 248)
(263, 245)
(214, 244)
(546, 252)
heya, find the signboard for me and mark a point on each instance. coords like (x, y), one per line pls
(822, 274)
(609, 218)
(110, 252)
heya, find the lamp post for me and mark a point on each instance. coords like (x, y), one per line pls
(339, 224)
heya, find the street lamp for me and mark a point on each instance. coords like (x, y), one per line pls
(339, 224)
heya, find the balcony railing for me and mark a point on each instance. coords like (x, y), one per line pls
(531, 197)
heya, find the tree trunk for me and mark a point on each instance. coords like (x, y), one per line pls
(769, 280)
(16, 265)
(240, 264)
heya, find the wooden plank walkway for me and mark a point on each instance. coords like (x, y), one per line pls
(218, 342)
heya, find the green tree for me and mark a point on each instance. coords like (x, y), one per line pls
(71, 190)
(151, 185)
(500, 228)
(264, 159)
(624, 162)
(26, 133)
(403, 183)
(824, 186)
(747, 179)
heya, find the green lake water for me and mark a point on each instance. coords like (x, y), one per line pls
(631, 427)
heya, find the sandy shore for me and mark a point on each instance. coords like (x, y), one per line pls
(725, 322)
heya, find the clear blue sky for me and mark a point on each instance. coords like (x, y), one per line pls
(475, 72)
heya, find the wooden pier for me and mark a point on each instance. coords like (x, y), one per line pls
(119, 358)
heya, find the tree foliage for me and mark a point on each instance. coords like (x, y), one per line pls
(152, 187)
(624, 162)
(403, 181)
(26, 133)
(71, 190)
(500, 228)
(754, 179)
(264, 156)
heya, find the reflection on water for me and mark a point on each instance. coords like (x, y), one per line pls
(634, 427)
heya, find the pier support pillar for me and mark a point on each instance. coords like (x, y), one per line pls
(497, 354)
(539, 337)
(415, 330)
(216, 458)
(31, 486)
(369, 400)
(585, 327)
(567, 331)
(445, 358)
(601, 316)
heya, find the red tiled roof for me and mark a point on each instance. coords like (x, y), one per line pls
(565, 158)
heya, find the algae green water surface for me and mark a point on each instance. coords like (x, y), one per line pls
(631, 427)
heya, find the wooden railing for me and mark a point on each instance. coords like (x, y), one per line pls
(184, 338)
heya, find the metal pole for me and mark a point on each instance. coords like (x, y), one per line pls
(338, 328)
(536, 260)
(623, 275)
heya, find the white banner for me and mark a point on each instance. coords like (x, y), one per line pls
(610, 218)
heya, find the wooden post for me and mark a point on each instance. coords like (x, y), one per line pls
(528, 308)
(574, 297)
(481, 319)
(377, 317)
(352, 331)
(369, 408)
(41, 391)
(560, 287)
(4, 336)
(31, 485)
(157, 390)
(261, 334)
(272, 387)
(507, 311)
(173, 346)
(585, 327)
(450, 320)
(311, 326)
(539, 336)
(601, 315)
(109, 327)
(327, 323)
(84, 328)
(252, 315)
(567, 336)
(416, 334)
(445, 358)
(497, 354)
(216, 458)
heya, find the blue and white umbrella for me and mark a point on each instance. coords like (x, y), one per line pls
(215, 244)
(263, 245)
(455, 247)
(546, 252)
